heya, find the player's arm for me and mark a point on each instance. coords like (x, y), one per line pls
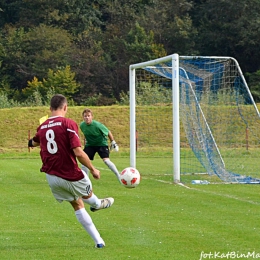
(32, 143)
(113, 145)
(110, 136)
(84, 159)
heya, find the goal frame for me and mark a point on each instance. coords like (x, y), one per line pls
(174, 58)
(176, 118)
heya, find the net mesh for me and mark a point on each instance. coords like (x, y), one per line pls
(219, 119)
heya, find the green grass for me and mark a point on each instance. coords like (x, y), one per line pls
(156, 220)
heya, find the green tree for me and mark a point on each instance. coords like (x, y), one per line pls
(172, 25)
(229, 28)
(9, 12)
(90, 66)
(99, 39)
(139, 44)
(25, 54)
(33, 86)
(137, 31)
(11, 53)
(74, 16)
(61, 81)
(136, 46)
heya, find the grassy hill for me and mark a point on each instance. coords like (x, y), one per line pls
(17, 122)
(154, 130)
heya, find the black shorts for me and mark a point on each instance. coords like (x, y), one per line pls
(102, 151)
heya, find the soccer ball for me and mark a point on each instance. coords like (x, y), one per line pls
(130, 177)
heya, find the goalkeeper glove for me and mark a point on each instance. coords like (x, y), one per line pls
(114, 146)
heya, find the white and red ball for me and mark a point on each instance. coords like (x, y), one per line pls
(130, 177)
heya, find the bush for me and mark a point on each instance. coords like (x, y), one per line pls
(7, 103)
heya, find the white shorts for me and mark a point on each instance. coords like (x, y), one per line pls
(69, 190)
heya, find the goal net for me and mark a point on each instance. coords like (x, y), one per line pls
(197, 114)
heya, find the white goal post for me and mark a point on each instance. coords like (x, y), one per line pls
(202, 88)
(175, 97)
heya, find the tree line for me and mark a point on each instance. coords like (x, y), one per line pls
(83, 49)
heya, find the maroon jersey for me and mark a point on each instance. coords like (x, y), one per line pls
(57, 137)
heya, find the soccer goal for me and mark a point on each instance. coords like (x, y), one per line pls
(200, 112)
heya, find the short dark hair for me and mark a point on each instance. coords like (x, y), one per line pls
(57, 101)
(87, 110)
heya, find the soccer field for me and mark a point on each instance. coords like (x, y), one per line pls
(156, 220)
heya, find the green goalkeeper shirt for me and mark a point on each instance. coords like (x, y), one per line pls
(95, 133)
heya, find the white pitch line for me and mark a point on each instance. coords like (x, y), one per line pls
(209, 192)
(181, 184)
(228, 196)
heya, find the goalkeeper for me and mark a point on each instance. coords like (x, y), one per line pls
(97, 135)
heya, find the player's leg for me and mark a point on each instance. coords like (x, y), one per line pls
(92, 200)
(84, 188)
(70, 191)
(104, 155)
(111, 166)
(90, 151)
(104, 203)
(64, 190)
(86, 221)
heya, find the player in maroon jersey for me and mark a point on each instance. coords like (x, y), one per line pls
(60, 148)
